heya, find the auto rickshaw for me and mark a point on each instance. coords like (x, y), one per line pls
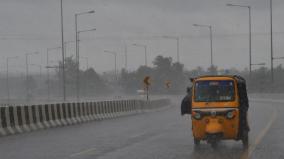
(219, 109)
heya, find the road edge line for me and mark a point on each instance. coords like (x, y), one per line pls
(247, 154)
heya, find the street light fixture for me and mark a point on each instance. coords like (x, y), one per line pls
(27, 74)
(278, 58)
(52, 67)
(258, 64)
(115, 54)
(211, 39)
(77, 49)
(177, 39)
(145, 48)
(250, 48)
(76, 30)
(7, 77)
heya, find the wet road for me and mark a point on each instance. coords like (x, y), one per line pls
(163, 134)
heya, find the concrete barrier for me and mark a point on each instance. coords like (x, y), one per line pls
(20, 119)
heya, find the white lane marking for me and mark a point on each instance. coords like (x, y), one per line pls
(85, 152)
(247, 154)
(266, 100)
(138, 135)
(92, 150)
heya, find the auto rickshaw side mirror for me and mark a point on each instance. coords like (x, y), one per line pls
(191, 80)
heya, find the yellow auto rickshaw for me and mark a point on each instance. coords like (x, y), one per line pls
(219, 109)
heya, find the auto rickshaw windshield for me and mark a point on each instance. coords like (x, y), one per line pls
(214, 91)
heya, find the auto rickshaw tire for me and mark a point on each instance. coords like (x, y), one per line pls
(196, 142)
(214, 144)
(245, 139)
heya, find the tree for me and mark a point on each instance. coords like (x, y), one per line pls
(91, 83)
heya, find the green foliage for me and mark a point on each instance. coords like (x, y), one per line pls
(164, 70)
(90, 82)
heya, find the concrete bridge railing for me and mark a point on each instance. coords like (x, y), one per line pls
(26, 118)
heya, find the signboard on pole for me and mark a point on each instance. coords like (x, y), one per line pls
(147, 84)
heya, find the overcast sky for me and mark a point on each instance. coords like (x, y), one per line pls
(34, 25)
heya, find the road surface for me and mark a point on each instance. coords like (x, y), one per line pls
(162, 134)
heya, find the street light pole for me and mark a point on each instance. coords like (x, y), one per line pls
(250, 32)
(126, 54)
(211, 40)
(115, 56)
(40, 69)
(65, 47)
(271, 42)
(76, 30)
(7, 78)
(77, 50)
(47, 64)
(27, 79)
(178, 40)
(211, 45)
(62, 49)
(87, 62)
(250, 56)
(145, 49)
(78, 62)
(27, 75)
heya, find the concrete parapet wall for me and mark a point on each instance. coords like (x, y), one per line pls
(26, 118)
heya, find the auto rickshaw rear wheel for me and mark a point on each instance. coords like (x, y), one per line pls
(214, 144)
(245, 139)
(196, 142)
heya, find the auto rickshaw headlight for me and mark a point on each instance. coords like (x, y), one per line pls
(230, 115)
(197, 115)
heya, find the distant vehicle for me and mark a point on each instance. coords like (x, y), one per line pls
(219, 109)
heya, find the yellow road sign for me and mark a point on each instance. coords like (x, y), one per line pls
(168, 83)
(147, 81)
